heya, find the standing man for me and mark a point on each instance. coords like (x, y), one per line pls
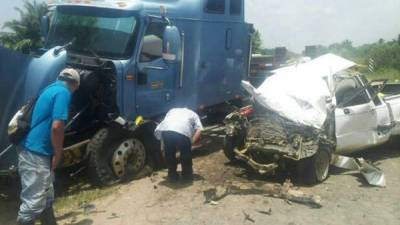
(40, 152)
(180, 129)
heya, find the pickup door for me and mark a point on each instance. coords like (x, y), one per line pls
(361, 122)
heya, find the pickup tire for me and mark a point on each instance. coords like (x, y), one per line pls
(315, 169)
(229, 147)
(231, 143)
(108, 157)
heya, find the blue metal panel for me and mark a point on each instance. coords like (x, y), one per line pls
(22, 77)
(12, 80)
(189, 9)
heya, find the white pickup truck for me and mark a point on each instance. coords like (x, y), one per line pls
(367, 119)
(300, 121)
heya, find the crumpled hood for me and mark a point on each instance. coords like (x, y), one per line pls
(299, 93)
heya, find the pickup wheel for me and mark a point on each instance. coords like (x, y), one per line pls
(114, 156)
(229, 147)
(315, 169)
(230, 144)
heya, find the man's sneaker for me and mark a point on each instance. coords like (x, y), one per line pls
(187, 178)
(173, 177)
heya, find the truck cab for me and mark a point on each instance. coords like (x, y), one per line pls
(137, 59)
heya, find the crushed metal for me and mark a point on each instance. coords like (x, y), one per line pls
(372, 174)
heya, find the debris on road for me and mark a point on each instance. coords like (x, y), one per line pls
(285, 191)
(113, 216)
(269, 212)
(248, 218)
(372, 174)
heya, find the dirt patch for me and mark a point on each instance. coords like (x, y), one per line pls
(346, 198)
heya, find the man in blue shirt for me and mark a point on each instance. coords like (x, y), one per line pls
(41, 150)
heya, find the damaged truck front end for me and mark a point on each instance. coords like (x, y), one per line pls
(294, 124)
(268, 142)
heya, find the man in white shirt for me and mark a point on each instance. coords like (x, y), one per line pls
(180, 129)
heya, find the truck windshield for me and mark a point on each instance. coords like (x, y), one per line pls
(108, 37)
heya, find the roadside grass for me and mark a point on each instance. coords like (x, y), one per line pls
(393, 75)
(77, 199)
(73, 193)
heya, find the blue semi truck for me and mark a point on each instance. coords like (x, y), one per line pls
(137, 59)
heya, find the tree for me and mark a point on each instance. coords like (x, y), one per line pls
(24, 34)
(398, 39)
(256, 43)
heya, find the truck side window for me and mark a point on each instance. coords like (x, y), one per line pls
(215, 6)
(236, 7)
(347, 89)
(152, 42)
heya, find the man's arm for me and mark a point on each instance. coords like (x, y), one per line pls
(198, 127)
(57, 140)
(196, 136)
(59, 116)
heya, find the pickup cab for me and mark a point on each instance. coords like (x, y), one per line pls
(367, 113)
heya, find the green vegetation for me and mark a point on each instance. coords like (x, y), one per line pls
(256, 43)
(76, 198)
(24, 34)
(385, 55)
(393, 75)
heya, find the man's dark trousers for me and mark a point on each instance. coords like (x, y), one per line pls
(172, 142)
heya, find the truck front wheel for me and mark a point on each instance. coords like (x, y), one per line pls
(315, 169)
(229, 147)
(115, 156)
(230, 144)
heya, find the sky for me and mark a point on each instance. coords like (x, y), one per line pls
(296, 23)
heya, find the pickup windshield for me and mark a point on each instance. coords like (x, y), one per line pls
(108, 37)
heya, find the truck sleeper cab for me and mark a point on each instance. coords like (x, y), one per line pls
(137, 60)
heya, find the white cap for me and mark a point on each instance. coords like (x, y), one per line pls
(70, 74)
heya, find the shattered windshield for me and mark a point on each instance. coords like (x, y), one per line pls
(108, 37)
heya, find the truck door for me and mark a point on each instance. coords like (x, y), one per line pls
(155, 78)
(356, 120)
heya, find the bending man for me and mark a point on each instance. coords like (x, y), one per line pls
(180, 129)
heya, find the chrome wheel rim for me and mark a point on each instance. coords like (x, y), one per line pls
(129, 157)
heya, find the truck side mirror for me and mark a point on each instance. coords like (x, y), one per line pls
(44, 26)
(172, 45)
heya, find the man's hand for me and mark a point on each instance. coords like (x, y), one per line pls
(196, 137)
(56, 160)
(57, 140)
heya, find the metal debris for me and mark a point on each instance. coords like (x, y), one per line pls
(89, 208)
(269, 212)
(372, 174)
(247, 217)
(113, 216)
(213, 203)
(285, 191)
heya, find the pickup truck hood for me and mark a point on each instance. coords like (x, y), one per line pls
(22, 77)
(300, 92)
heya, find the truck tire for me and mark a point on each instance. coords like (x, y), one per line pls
(231, 143)
(229, 147)
(315, 169)
(114, 156)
